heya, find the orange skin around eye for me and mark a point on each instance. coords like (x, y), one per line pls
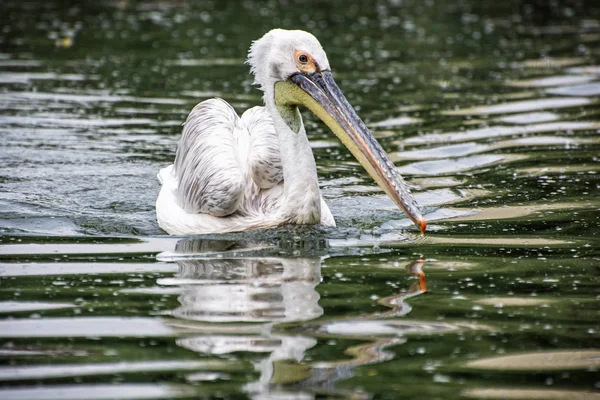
(308, 67)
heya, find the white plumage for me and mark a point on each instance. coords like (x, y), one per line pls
(227, 174)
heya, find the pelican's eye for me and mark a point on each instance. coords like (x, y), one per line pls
(303, 59)
(305, 62)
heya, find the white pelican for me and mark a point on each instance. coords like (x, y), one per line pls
(258, 171)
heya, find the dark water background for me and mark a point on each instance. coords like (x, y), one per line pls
(489, 109)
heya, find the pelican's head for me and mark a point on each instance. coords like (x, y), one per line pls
(292, 69)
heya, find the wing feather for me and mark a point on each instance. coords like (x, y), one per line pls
(264, 157)
(207, 166)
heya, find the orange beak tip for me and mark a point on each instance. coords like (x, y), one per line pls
(423, 226)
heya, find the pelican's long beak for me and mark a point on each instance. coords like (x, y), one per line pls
(327, 101)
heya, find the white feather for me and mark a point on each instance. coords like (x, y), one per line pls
(211, 175)
(264, 158)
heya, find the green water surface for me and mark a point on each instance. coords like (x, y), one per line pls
(489, 109)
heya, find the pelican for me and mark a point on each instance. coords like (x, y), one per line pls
(258, 171)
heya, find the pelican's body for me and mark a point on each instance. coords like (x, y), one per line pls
(258, 171)
(233, 167)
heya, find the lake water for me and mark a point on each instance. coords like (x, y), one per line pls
(489, 109)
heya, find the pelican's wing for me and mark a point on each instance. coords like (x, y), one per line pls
(326, 215)
(210, 164)
(264, 157)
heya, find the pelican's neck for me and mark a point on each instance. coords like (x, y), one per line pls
(300, 181)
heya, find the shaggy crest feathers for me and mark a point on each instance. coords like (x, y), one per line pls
(278, 46)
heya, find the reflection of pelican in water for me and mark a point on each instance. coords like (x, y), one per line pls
(249, 294)
(249, 290)
(218, 287)
(258, 171)
(397, 303)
